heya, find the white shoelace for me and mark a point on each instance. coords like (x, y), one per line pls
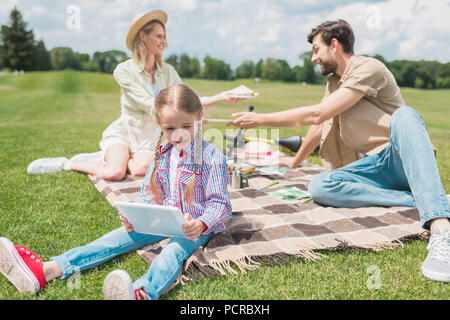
(439, 246)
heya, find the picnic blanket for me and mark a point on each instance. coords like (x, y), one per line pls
(265, 229)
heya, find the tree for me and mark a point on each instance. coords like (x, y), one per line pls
(286, 72)
(108, 60)
(271, 69)
(216, 69)
(443, 82)
(308, 73)
(194, 68)
(86, 64)
(245, 70)
(258, 68)
(64, 58)
(173, 61)
(18, 43)
(41, 57)
(1, 56)
(184, 66)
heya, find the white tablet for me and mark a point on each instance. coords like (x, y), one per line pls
(153, 219)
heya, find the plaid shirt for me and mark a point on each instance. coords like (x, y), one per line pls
(210, 200)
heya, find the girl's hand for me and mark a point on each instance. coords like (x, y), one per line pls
(128, 226)
(193, 228)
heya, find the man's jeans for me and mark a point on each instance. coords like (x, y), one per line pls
(163, 271)
(403, 174)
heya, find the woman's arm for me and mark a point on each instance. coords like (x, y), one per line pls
(209, 101)
(136, 97)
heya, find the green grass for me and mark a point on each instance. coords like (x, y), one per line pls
(64, 113)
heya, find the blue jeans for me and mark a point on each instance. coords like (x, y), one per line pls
(163, 270)
(405, 173)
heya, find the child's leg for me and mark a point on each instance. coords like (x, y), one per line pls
(101, 250)
(166, 266)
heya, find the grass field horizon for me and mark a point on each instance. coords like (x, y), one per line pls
(50, 114)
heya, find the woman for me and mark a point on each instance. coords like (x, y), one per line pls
(128, 143)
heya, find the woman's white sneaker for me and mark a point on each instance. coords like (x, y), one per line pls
(47, 165)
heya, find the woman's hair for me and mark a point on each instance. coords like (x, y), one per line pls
(140, 50)
(182, 98)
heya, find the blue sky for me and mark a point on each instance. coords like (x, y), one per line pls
(238, 30)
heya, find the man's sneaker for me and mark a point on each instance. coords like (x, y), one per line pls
(88, 157)
(46, 165)
(22, 267)
(118, 286)
(437, 264)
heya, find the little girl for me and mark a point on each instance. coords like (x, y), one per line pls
(188, 173)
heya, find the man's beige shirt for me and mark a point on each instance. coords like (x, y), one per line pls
(364, 128)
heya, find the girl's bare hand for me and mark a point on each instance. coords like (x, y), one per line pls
(128, 226)
(193, 228)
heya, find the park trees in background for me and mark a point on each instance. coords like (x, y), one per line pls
(246, 70)
(420, 74)
(215, 69)
(20, 51)
(107, 61)
(64, 58)
(186, 66)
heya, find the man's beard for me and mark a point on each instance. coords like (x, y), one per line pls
(328, 67)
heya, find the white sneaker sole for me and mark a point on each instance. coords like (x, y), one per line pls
(46, 165)
(118, 286)
(435, 276)
(15, 270)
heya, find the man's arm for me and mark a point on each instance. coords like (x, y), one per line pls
(309, 144)
(337, 102)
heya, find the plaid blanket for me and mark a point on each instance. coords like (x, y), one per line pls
(266, 229)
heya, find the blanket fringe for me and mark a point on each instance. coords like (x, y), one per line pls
(388, 245)
(195, 270)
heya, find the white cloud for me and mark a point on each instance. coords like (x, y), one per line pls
(238, 30)
(271, 35)
(408, 29)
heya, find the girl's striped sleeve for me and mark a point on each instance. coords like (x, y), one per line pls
(218, 204)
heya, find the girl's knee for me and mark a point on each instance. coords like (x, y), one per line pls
(171, 255)
(139, 169)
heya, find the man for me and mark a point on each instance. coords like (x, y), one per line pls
(378, 149)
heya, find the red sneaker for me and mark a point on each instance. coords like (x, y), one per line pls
(22, 267)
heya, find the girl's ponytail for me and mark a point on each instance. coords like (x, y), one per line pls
(197, 155)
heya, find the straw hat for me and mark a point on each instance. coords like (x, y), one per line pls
(141, 20)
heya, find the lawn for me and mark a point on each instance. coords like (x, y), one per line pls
(64, 113)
